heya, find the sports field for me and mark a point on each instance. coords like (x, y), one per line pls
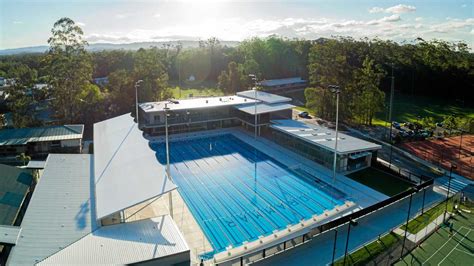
(445, 151)
(442, 248)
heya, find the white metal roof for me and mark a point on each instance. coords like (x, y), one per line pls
(126, 169)
(35, 164)
(61, 209)
(277, 82)
(194, 103)
(9, 234)
(264, 96)
(124, 244)
(323, 136)
(263, 108)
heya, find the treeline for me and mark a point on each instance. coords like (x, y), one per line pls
(362, 68)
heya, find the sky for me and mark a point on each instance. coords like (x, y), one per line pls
(29, 23)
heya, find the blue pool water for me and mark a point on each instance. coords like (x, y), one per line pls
(238, 193)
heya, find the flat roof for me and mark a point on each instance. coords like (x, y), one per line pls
(14, 185)
(263, 108)
(21, 136)
(123, 244)
(278, 82)
(323, 136)
(126, 169)
(264, 96)
(36, 164)
(194, 103)
(61, 209)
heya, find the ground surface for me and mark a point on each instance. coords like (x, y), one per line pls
(381, 181)
(442, 248)
(445, 151)
(407, 108)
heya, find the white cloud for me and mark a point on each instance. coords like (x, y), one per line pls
(418, 19)
(17, 22)
(122, 15)
(398, 9)
(376, 10)
(392, 18)
(82, 24)
(157, 15)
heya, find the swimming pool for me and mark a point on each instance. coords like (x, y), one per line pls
(238, 193)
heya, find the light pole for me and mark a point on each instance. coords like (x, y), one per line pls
(168, 175)
(453, 166)
(354, 223)
(254, 79)
(336, 90)
(137, 84)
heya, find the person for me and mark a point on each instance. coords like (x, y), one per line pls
(451, 228)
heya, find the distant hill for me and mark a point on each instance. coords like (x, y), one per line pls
(111, 46)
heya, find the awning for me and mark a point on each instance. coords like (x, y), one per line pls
(126, 169)
(263, 108)
(359, 155)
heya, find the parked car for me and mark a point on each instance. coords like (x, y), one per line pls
(396, 125)
(304, 115)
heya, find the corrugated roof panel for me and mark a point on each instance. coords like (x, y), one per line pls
(9, 234)
(127, 171)
(21, 136)
(60, 210)
(14, 185)
(278, 82)
(124, 244)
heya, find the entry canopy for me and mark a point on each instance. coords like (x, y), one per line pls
(126, 169)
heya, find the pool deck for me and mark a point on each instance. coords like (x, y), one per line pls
(360, 197)
(182, 216)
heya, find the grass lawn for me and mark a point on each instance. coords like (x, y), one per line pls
(383, 182)
(407, 108)
(304, 109)
(365, 254)
(420, 222)
(196, 92)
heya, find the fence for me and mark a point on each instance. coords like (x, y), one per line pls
(445, 161)
(330, 226)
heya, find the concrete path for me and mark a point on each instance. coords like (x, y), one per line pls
(319, 250)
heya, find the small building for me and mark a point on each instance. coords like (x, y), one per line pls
(215, 112)
(285, 85)
(101, 81)
(40, 141)
(317, 143)
(60, 226)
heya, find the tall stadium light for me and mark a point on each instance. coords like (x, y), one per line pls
(392, 91)
(336, 90)
(453, 166)
(254, 79)
(168, 174)
(353, 223)
(137, 84)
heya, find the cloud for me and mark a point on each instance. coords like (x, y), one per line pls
(157, 15)
(17, 22)
(398, 9)
(236, 29)
(82, 24)
(122, 15)
(392, 18)
(418, 19)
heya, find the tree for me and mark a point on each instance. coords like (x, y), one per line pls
(70, 69)
(149, 67)
(232, 80)
(368, 99)
(23, 158)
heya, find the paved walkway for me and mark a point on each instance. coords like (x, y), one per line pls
(319, 250)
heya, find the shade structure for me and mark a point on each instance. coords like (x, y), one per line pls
(125, 168)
